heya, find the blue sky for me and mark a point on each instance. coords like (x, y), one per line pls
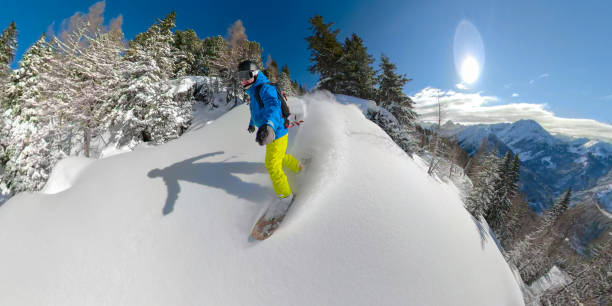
(553, 54)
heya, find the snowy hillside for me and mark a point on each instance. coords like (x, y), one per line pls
(169, 225)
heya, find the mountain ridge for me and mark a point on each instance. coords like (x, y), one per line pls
(551, 164)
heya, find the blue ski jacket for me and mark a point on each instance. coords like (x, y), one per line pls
(271, 114)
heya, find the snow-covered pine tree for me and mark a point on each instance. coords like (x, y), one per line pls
(193, 48)
(512, 223)
(145, 110)
(532, 254)
(27, 145)
(31, 156)
(471, 169)
(325, 54)
(482, 193)
(285, 84)
(390, 93)
(293, 84)
(357, 77)
(172, 61)
(559, 209)
(396, 104)
(589, 283)
(212, 46)
(398, 133)
(8, 48)
(25, 87)
(514, 177)
(497, 214)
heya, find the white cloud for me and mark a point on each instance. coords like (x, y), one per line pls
(608, 97)
(514, 95)
(475, 108)
(541, 76)
(461, 86)
(507, 86)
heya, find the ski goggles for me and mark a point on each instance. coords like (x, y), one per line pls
(245, 75)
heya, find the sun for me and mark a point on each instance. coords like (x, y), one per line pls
(470, 70)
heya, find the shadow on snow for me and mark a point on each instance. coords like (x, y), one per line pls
(214, 174)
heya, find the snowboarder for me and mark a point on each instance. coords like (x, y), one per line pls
(271, 130)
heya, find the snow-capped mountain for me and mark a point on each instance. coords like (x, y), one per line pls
(169, 225)
(551, 164)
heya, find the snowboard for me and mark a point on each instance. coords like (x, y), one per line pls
(271, 219)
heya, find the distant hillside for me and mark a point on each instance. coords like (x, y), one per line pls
(550, 165)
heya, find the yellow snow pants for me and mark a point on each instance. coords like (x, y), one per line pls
(276, 159)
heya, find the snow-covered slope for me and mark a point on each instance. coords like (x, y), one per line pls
(66, 173)
(169, 225)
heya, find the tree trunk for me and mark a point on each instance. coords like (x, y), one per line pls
(86, 142)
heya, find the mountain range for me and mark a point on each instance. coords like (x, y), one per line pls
(549, 164)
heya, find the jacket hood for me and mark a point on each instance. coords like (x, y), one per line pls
(261, 79)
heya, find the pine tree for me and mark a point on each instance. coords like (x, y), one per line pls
(514, 177)
(398, 133)
(28, 142)
(193, 48)
(213, 46)
(357, 74)
(558, 209)
(285, 84)
(285, 69)
(8, 48)
(292, 85)
(145, 110)
(532, 255)
(25, 88)
(325, 54)
(482, 193)
(296, 87)
(30, 156)
(589, 283)
(390, 84)
(498, 210)
(390, 92)
(516, 211)
(158, 41)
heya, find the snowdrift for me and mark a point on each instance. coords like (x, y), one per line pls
(169, 225)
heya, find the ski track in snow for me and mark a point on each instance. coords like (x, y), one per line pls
(170, 225)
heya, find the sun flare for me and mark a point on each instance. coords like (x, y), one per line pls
(470, 70)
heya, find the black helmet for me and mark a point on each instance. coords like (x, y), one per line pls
(247, 65)
(247, 70)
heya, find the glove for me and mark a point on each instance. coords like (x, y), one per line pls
(265, 135)
(251, 129)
